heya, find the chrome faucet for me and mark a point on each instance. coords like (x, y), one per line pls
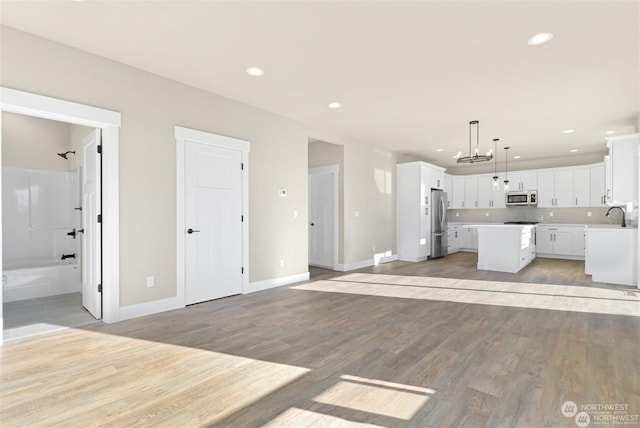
(624, 222)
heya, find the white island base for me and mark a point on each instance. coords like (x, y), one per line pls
(505, 247)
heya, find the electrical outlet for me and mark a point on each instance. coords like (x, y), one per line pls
(550, 214)
(457, 214)
(281, 262)
(486, 214)
(356, 213)
(151, 282)
(295, 213)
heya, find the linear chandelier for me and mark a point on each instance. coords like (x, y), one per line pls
(476, 157)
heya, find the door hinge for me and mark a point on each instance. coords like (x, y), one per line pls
(242, 270)
(100, 149)
(241, 218)
(242, 166)
(99, 288)
(99, 218)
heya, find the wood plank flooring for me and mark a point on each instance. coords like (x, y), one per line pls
(25, 318)
(322, 354)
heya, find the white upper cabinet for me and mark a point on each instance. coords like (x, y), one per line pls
(471, 192)
(436, 177)
(448, 188)
(458, 192)
(525, 180)
(581, 187)
(597, 197)
(488, 197)
(623, 158)
(546, 189)
(555, 188)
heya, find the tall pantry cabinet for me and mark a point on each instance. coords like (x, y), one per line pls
(414, 182)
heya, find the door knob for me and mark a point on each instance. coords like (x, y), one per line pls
(313, 224)
(190, 231)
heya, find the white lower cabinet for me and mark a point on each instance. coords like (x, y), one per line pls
(560, 241)
(612, 255)
(454, 241)
(468, 238)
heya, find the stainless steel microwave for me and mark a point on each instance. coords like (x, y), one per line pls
(522, 197)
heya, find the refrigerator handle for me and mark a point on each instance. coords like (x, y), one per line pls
(443, 213)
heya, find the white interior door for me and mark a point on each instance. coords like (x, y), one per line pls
(92, 237)
(321, 219)
(213, 220)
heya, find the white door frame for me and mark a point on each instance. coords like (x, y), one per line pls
(333, 170)
(183, 135)
(29, 104)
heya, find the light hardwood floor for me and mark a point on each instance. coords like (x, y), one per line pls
(25, 318)
(400, 344)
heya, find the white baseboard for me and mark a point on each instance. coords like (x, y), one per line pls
(556, 256)
(365, 263)
(354, 265)
(276, 282)
(388, 259)
(149, 308)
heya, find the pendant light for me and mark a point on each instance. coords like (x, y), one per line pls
(506, 169)
(476, 157)
(496, 183)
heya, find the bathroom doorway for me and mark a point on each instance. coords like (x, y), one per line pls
(48, 246)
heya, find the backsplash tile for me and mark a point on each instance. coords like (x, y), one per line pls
(541, 215)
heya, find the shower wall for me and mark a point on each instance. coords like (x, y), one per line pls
(38, 210)
(40, 194)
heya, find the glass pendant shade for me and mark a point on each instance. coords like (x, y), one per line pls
(506, 169)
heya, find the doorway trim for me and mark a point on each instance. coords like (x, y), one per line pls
(183, 135)
(334, 170)
(109, 122)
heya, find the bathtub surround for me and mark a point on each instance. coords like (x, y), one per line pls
(38, 212)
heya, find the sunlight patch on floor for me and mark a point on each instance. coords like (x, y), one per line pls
(295, 417)
(510, 294)
(377, 397)
(125, 381)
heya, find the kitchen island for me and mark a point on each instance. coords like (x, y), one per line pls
(505, 247)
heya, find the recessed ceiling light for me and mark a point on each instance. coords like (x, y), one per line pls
(568, 131)
(610, 132)
(334, 105)
(540, 38)
(516, 157)
(255, 71)
(439, 150)
(573, 150)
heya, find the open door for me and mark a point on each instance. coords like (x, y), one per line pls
(91, 260)
(321, 219)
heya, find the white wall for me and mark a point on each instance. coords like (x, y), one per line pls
(30, 142)
(151, 106)
(369, 189)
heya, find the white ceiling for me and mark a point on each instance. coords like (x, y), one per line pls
(409, 75)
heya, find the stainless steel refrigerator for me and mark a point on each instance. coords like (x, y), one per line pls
(439, 239)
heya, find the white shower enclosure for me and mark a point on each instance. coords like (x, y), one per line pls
(40, 253)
